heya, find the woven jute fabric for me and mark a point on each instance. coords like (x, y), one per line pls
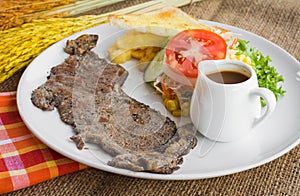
(277, 21)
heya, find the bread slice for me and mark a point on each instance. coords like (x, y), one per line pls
(164, 22)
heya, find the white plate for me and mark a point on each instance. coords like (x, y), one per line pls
(273, 138)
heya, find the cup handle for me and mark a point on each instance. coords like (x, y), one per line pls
(270, 99)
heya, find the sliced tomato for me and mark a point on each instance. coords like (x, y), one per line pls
(186, 49)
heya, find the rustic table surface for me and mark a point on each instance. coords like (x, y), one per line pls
(277, 21)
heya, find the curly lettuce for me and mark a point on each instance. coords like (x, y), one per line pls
(267, 75)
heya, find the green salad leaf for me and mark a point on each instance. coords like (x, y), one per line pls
(267, 75)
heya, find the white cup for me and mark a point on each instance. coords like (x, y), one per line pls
(227, 112)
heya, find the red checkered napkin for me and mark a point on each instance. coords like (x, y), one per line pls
(24, 160)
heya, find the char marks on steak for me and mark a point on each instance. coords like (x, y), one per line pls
(86, 90)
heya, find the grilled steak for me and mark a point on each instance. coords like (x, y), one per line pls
(87, 92)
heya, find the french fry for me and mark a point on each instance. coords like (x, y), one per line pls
(138, 53)
(123, 57)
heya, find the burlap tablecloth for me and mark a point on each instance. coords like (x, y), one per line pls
(275, 20)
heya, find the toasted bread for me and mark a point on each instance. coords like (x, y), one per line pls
(164, 22)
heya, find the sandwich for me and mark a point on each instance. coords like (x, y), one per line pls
(148, 32)
(146, 40)
(164, 22)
